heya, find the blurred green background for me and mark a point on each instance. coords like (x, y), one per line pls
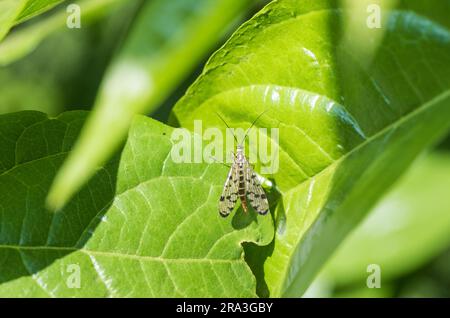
(407, 234)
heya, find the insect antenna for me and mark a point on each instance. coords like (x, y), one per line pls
(227, 127)
(215, 160)
(253, 123)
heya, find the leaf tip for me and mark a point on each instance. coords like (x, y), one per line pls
(56, 199)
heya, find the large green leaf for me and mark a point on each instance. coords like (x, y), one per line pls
(166, 42)
(143, 226)
(348, 127)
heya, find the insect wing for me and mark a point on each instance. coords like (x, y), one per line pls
(255, 193)
(229, 195)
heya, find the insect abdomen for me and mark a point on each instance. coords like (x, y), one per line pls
(242, 189)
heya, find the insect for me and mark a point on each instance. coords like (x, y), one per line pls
(243, 183)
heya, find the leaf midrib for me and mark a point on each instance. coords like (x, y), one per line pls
(119, 255)
(126, 255)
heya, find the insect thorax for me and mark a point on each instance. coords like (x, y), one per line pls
(240, 154)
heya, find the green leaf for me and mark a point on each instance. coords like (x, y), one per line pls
(13, 12)
(406, 229)
(143, 226)
(348, 127)
(166, 42)
(25, 40)
(9, 9)
(35, 7)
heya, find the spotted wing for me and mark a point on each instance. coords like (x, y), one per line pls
(229, 195)
(255, 193)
